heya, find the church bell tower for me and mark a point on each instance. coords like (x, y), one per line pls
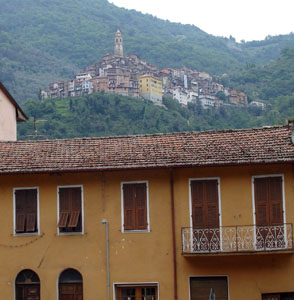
(118, 44)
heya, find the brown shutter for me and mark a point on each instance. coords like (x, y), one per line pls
(141, 206)
(20, 212)
(197, 203)
(276, 200)
(31, 210)
(76, 205)
(261, 201)
(63, 217)
(211, 193)
(129, 206)
(64, 207)
(74, 219)
(31, 222)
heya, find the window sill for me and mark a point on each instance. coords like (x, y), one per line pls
(70, 233)
(136, 231)
(26, 234)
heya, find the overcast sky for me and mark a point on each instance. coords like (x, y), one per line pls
(243, 19)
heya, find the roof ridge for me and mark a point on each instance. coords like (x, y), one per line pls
(212, 131)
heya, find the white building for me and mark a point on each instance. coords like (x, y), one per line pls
(209, 101)
(10, 114)
(184, 97)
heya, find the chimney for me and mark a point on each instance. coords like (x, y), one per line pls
(290, 123)
(10, 114)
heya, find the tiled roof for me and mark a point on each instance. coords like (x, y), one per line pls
(211, 148)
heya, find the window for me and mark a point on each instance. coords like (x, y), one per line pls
(205, 214)
(281, 296)
(268, 200)
(27, 286)
(70, 285)
(136, 292)
(26, 210)
(209, 288)
(70, 209)
(135, 206)
(270, 232)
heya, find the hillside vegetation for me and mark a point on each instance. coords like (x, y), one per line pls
(46, 40)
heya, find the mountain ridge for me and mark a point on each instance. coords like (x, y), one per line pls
(75, 34)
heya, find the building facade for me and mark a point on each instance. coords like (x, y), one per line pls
(151, 88)
(188, 216)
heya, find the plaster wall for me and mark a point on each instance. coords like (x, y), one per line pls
(145, 256)
(7, 119)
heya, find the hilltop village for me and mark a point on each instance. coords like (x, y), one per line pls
(131, 76)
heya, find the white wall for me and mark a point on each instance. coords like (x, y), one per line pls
(7, 119)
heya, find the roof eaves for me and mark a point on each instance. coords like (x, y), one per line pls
(20, 115)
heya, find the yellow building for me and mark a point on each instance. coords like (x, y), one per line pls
(184, 216)
(151, 88)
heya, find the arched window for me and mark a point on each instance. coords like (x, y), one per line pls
(27, 286)
(70, 285)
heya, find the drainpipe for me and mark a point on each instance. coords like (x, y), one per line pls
(105, 222)
(173, 235)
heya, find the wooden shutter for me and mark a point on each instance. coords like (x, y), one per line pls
(26, 210)
(276, 200)
(211, 194)
(261, 201)
(70, 206)
(20, 202)
(268, 201)
(76, 205)
(197, 204)
(31, 210)
(200, 288)
(129, 206)
(141, 206)
(205, 210)
(64, 207)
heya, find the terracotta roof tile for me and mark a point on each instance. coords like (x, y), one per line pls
(211, 148)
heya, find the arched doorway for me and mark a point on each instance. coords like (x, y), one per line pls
(70, 285)
(27, 286)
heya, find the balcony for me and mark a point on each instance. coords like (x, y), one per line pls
(237, 240)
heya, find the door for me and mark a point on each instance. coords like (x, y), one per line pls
(70, 291)
(205, 215)
(201, 288)
(270, 233)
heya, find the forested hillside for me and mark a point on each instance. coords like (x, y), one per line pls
(46, 40)
(105, 115)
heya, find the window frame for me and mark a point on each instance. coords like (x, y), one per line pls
(82, 210)
(135, 285)
(14, 212)
(147, 207)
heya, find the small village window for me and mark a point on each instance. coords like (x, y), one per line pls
(70, 209)
(27, 286)
(26, 210)
(135, 206)
(135, 292)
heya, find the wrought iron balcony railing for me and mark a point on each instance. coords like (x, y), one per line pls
(237, 239)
